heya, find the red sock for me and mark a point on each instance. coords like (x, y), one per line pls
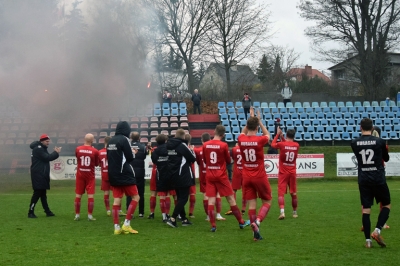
(205, 205)
(252, 215)
(77, 205)
(152, 203)
(115, 213)
(192, 201)
(107, 202)
(162, 205)
(294, 202)
(238, 215)
(131, 209)
(262, 213)
(167, 204)
(218, 205)
(244, 203)
(90, 205)
(281, 202)
(211, 215)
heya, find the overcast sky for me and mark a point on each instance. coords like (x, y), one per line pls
(290, 31)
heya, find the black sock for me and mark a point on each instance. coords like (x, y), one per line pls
(366, 222)
(383, 217)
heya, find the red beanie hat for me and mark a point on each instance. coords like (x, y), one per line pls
(44, 137)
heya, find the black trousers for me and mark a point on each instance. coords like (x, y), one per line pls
(246, 112)
(140, 183)
(182, 195)
(196, 107)
(39, 194)
(286, 101)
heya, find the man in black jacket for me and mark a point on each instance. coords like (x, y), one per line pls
(181, 177)
(138, 167)
(121, 175)
(196, 99)
(40, 173)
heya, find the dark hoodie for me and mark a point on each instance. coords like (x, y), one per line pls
(40, 167)
(119, 156)
(180, 158)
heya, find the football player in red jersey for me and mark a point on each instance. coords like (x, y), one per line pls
(216, 156)
(237, 173)
(255, 180)
(88, 159)
(287, 169)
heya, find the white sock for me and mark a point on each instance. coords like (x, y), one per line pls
(282, 210)
(117, 227)
(90, 216)
(378, 230)
(127, 222)
(77, 216)
(164, 216)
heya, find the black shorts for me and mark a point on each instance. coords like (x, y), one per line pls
(381, 194)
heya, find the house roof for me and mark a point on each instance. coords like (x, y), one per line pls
(394, 58)
(314, 72)
(243, 73)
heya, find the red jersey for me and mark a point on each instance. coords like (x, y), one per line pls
(287, 155)
(103, 163)
(200, 162)
(237, 160)
(252, 150)
(216, 156)
(88, 159)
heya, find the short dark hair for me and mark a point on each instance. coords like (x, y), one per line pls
(180, 133)
(220, 130)
(290, 133)
(188, 138)
(107, 139)
(366, 124)
(205, 136)
(252, 123)
(135, 136)
(161, 138)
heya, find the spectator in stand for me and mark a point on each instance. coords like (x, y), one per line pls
(246, 104)
(167, 97)
(179, 97)
(286, 94)
(196, 99)
(40, 173)
(387, 101)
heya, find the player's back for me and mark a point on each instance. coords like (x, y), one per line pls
(288, 156)
(237, 158)
(103, 163)
(88, 159)
(252, 150)
(370, 151)
(215, 156)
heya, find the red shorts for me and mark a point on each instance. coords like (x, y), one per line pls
(85, 184)
(172, 192)
(236, 180)
(254, 188)
(203, 184)
(119, 191)
(161, 193)
(223, 187)
(105, 185)
(192, 190)
(285, 180)
(153, 183)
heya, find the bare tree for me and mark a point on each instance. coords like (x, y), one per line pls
(285, 59)
(241, 28)
(184, 24)
(368, 27)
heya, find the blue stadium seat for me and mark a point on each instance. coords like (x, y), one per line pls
(285, 116)
(350, 129)
(265, 110)
(347, 115)
(241, 116)
(232, 116)
(224, 117)
(326, 109)
(394, 135)
(315, 122)
(283, 110)
(274, 110)
(320, 115)
(329, 115)
(281, 105)
(314, 104)
(300, 129)
(340, 104)
(333, 122)
(242, 123)
(267, 116)
(157, 112)
(377, 109)
(323, 104)
(378, 122)
(236, 130)
(234, 123)
(349, 104)
(337, 115)
(381, 115)
(386, 109)
(327, 136)
(306, 104)
(307, 136)
(395, 121)
(360, 109)
(229, 137)
(298, 123)
(312, 116)
(289, 123)
(352, 109)
(342, 122)
(272, 105)
(157, 106)
(238, 105)
(221, 105)
(298, 105)
(392, 103)
(320, 129)
(374, 103)
(351, 122)
(303, 116)
(300, 110)
(231, 110)
(355, 134)
(230, 105)
(307, 123)
(335, 109)
(310, 129)
(318, 110)
(356, 115)
(271, 129)
(387, 128)
(369, 109)
(298, 136)
(174, 106)
(182, 112)
(324, 122)
(182, 105)
(309, 110)
(228, 129)
(346, 136)
(221, 111)
(385, 135)
(357, 104)
(336, 136)
(343, 109)
(366, 104)
(174, 112)
(256, 104)
(264, 105)
(165, 106)
(294, 116)
(382, 103)
(317, 136)
(340, 129)
(240, 110)
(332, 104)
(225, 123)
(329, 129)
(276, 116)
(292, 110)
(289, 105)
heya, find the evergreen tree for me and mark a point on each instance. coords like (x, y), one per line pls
(264, 70)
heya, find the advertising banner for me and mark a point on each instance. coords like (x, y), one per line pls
(308, 165)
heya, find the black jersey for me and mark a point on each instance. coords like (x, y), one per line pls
(370, 152)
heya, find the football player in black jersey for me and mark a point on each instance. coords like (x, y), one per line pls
(370, 151)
